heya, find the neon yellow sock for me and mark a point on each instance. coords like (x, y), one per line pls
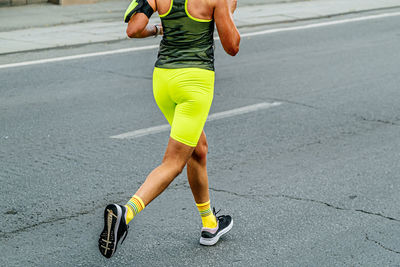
(134, 206)
(207, 217)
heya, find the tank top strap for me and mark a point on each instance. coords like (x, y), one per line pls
(177, 7)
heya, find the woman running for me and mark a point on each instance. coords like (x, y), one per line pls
(183, 87)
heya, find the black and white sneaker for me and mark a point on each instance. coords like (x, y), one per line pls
(210, 236)
(115, 229)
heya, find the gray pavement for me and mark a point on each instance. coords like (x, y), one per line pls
(45, 15)
(312, 182)
(38, 27)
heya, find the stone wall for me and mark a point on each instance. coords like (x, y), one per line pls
(20, 2)
(5, 3)
(72, 2)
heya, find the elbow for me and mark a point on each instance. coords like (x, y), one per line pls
(234, 48)
(130, 34)
(133, 32)
(233, 51)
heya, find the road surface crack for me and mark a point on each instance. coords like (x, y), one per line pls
(335, 207)
(380, 244)
(318, 142)
(52, 220)
(378, 214)
(293, 103)
(306, 200)
(248, 196)
(379, 121)
(230, 192)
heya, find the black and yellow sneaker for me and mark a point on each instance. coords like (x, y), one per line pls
(210, 236)
(115, 229)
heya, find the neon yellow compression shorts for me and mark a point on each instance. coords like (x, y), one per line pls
(184, 96)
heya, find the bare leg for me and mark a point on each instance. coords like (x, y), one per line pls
(175, 159)
(197, 171)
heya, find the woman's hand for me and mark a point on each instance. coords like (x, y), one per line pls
(232, 5)
(159, 29)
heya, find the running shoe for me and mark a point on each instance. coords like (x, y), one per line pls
(210, 236)
(134, 6)
(115, 229)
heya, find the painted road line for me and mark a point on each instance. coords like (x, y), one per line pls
(212, 117)
(321, 24)
(142, 132)
(126, 50)
(96, 54)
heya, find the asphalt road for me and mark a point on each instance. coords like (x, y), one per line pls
(312, 182)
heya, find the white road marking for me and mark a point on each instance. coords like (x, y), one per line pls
(126, 50)
(321, 24)
(56, 59)
(142, 132)
(242, 110)
(212, 117)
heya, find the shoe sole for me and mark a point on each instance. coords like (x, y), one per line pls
(108, 237)
(214, 240)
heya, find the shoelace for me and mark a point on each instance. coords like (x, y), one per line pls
(216, 212)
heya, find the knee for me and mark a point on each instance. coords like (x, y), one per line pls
(200, 153)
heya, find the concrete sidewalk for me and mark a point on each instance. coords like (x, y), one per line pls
(54, 26)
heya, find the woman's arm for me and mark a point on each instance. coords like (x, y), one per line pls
(228, 33)
(138, 25)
